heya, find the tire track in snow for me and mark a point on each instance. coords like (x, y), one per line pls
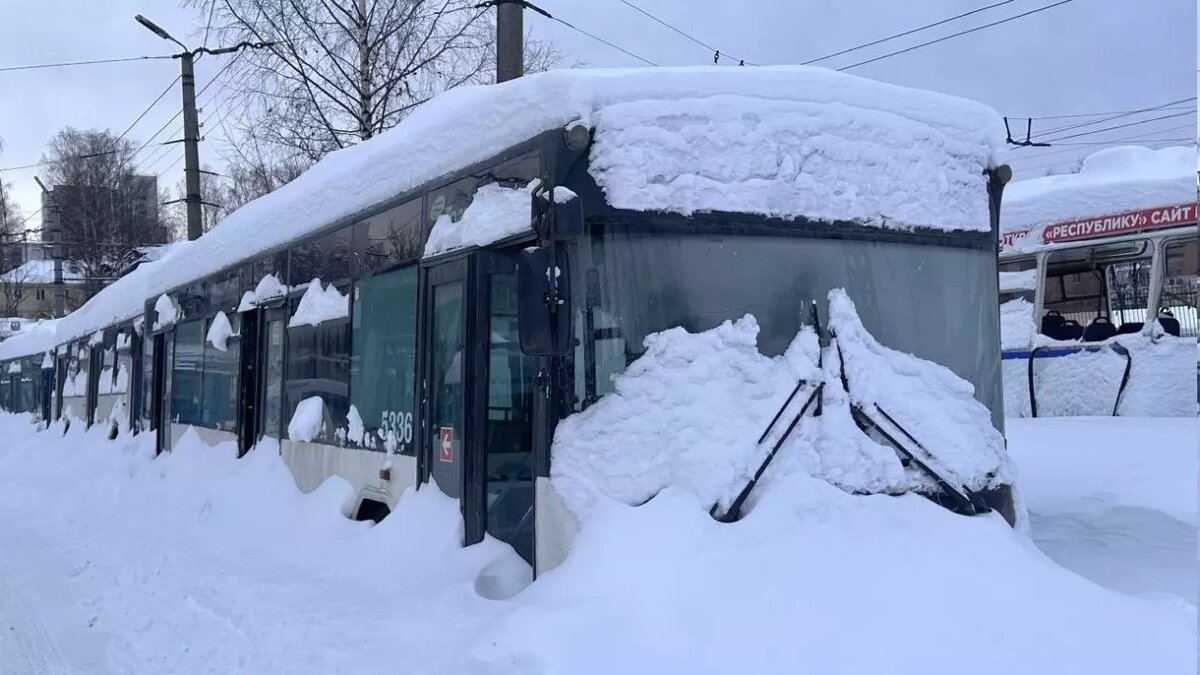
(26, 647)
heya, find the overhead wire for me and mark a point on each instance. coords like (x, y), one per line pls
(39, 66)
(954, 35)
(905, 33)
(600, 39)
(1117, 116)
(716, 51)
(1119, 126)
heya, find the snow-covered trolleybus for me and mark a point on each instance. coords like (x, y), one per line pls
(1098, 281)
(382, 316)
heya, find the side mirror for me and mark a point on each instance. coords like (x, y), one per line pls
(544, 308)
(562, 222)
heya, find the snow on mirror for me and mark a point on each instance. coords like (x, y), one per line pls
(166, 313)
(320, 304)
(308, 420)
(269, 288)
(219, 331)
(690, 413)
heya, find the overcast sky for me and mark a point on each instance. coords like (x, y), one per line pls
(1085, 56)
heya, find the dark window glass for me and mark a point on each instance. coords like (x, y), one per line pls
(446, 382)
(273, 386)
(220, 380)
(1180, 286)
(384, 359)
(187, 374)
(392, 237)
(318, 364)
(626, 285)
(328, 258)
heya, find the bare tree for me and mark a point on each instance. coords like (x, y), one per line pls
(10, 224)
(345, 70)
(106, 211)
(14, 286)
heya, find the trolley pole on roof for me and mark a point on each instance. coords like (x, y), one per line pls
(510, 50)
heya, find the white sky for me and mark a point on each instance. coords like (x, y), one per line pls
(1085, 56)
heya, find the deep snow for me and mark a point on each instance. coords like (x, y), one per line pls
(198, 562)
(1114, 498)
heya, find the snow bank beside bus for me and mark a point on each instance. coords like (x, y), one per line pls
(1087, 380)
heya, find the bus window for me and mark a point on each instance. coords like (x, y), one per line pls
(383, 359)
(1096, 285)
(1178, 298)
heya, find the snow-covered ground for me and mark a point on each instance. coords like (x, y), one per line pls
(1114, 498)
(112, 561)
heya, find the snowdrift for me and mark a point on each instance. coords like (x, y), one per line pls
(228, 559)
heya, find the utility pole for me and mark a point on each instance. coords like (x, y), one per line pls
(191, 149)
(50, 208)
(510, 48)
(191, 126)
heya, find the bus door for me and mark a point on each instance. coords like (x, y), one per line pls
(249, 381)
(160, 388)
(479, 397)
(270, 329)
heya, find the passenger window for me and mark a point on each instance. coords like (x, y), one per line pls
(1178, 300)
(1096, 292)
(318, 364)
(383, 360)
(187, 374)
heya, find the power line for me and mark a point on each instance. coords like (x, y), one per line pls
(1120, 126)
(1079, 115)
(208, 25)
(907, 32)
(1118, 115)
(1047, 165)
(716, 52)
(1114, 141)
(954, 35)
(81, 63)
(600, 39)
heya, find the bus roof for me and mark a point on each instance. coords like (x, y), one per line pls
(1118, 190)
(782, 141)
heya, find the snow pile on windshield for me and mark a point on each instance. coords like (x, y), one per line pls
(932, 403)
(495, 212)
(1112, 180)
(784, 141)
(688, 413)
(319, 304)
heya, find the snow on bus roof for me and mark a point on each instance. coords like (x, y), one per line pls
(1117, 180)
(782, 141)
(33, 338)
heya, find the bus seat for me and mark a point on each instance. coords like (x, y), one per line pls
(1052, 324)
(1169, 324)
(1099, 330)
(1070, 330)
(1130, 328)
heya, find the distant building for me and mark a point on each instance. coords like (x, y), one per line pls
(130, 216)
(27, 291)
